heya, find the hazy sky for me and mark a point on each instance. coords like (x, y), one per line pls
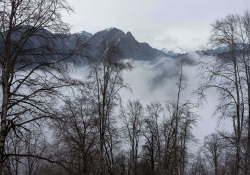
(161, 23)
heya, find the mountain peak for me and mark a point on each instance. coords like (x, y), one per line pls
(129, 34)
(85, 33)
(174, 51)
(127, 43)
(112, 30)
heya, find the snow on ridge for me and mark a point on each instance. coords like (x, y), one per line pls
(85, 33)
(107, 30)
(174, 51)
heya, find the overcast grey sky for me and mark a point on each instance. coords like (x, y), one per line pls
(161, 23)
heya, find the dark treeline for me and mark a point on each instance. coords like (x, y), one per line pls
(89, 130)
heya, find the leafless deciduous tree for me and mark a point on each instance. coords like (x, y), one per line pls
(132, 118)
(198, 165)
(106, 73)
(76, 134)
(32, 63)
(214, 152)
(29, 144)
(178, 127)
(152, 133)
(228, 72)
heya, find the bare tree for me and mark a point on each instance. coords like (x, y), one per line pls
(177, 113)
(14, 145)
(214, 150)
(199, 165)
(187, 138)
(243, 55)
(132, 118)
(178, 127)
(122, 163)
(29, 144)
(35, 144)
(111, 145)
(106, 73)
(32, 63)
(223, 73)
(153, 135)
(76, 134)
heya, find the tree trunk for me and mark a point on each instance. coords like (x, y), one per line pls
(247, 166)
(247, 171)
(101, 154)
(152, 156)
(4, 112)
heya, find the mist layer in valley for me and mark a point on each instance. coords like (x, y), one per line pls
(152, 81)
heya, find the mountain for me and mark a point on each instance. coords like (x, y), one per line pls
(223, 51)
(85, 35)
(47, 45)
(175, 51)
(129, 46)
(167, 68)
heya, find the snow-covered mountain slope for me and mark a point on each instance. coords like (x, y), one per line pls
(174, 51)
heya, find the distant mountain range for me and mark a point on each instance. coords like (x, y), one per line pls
(129, 46)
(175, 51)
(225, 50)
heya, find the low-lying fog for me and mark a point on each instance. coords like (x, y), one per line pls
(157, 82)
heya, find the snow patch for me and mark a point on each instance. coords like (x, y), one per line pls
(174, 51)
